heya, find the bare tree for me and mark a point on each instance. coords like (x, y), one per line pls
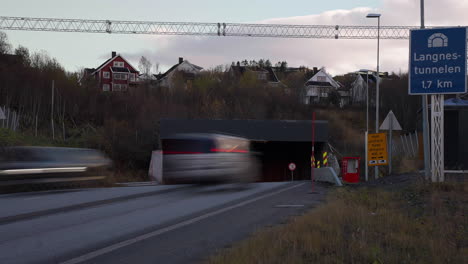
(23, 53)
(5, 46)
(156, 68)
(144, 66)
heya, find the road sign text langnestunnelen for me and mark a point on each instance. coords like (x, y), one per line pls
(437, 63)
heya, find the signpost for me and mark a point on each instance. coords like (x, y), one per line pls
(292, 167)
(437, 62)
(438, 66)
(390, 123)
(377, 149)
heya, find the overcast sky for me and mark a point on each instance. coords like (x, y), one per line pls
(76, 50)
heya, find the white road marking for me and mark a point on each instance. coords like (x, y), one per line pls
(289, 205)
(131, 241)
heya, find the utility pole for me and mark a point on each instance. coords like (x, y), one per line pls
(52, 111)
(376, 168)
(426, 145)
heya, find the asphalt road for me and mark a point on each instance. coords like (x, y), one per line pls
(177, 225)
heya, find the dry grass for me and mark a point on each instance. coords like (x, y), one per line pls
(422, 224)
(122, 175)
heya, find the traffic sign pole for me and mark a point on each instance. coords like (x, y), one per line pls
(437, 131)
(390, 123)
(313, 152)
(390, 148)
(425, 121)
(367, 156)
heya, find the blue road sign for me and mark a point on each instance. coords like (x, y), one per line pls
(437, 63)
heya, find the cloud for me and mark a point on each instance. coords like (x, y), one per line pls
(338, 56)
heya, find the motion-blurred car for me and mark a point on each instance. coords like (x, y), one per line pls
(30, 165)
(208, 158)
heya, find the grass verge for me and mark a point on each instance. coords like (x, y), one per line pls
(423, 223)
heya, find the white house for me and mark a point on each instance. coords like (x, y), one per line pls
(358, 90)
(319, 87)
(184, 68)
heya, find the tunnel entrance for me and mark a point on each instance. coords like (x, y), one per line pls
(275, 143)
(275, 156)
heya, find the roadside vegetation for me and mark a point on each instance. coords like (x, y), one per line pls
(423, 223)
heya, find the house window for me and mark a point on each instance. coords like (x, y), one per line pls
(120, 76)
(118, 64)
(262, 76)
(106, 75)
(321, 78)
(105, 87)
(116, 87)
(132, 77)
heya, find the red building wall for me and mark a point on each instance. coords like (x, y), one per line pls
(111, 80)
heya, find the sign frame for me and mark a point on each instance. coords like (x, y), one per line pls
(371, 161)
(414, 91)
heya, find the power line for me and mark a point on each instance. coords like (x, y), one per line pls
(203, 29)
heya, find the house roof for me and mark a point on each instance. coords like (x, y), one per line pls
(258, 130)
(456, 102)
(331, 82)
(119, 69)
(89, 70)
(164, 75)
(132, 69)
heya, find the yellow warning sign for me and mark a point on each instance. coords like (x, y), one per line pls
(377, 149)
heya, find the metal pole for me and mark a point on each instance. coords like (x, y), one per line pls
(52, 111)
(367, 124)
(425, 121)
(367, 161)
(376, 170)
(313, 150)
(367, 102)
(390, 149)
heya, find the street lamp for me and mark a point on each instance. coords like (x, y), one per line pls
(366, 72)
(377, 77)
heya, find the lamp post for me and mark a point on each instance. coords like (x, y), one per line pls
(373, 15)
(364, 71)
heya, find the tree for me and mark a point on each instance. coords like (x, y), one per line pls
(284, 65)
(5, 46)
(156, 67)
(23, 53)
(144, 66)
(261, 63)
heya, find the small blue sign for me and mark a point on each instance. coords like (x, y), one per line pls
(438, 62)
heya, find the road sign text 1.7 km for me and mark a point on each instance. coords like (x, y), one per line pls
(437, 63)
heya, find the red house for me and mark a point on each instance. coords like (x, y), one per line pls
(116, 74)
